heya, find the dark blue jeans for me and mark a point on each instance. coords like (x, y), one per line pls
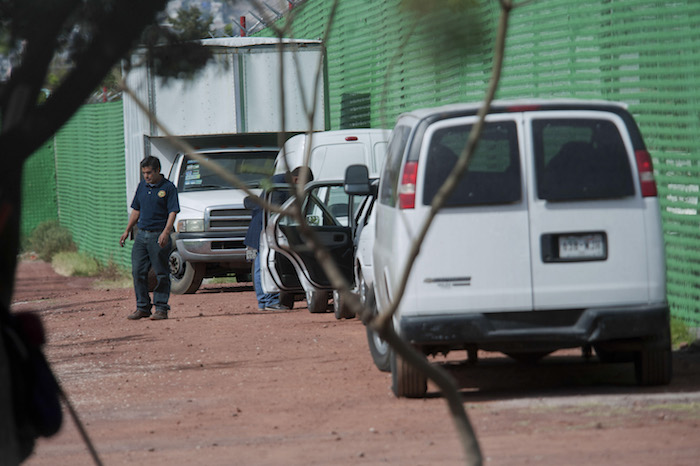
(145, 254)
(264, 299)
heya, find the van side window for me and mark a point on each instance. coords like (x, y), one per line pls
(390, 175)
(493, 175)
(579, 159)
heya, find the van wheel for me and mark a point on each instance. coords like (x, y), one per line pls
(406, 380)
(317, 301)
(607, 356)
(185, 277)
(378, 348)
(528, 357)
(340, 308)
(287, 299)
(653, 366)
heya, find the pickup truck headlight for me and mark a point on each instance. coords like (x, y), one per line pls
(190, 225)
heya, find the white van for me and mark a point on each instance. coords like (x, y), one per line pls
(552, 238)
(333, 151)
(293, 271)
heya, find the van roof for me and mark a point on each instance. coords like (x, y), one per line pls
(420, 119)
(339, 134)
(503, 106)
(326, 137)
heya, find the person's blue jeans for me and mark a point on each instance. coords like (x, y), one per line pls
(264, 299)
(145, 254)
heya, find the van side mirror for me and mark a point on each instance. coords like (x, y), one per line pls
(357, 180)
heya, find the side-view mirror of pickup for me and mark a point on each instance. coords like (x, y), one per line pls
(357, 180)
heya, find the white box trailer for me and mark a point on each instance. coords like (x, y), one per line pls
(238, 91)
(252, 95)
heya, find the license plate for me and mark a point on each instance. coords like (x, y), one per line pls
(588, 246)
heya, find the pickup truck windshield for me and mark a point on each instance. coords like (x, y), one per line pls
(249, 167)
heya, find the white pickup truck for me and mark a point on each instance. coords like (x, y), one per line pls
(232, 112)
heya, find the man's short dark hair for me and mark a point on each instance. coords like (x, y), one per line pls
(304, 170)
(151, 162)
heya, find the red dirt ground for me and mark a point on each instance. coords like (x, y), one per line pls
(221, 383)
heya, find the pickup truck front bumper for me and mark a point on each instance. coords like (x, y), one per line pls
(211, 247)
(541, 330)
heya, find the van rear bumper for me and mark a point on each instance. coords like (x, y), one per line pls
(541, 330)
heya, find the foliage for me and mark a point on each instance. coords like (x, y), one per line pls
(73, 263)
(87, 38)
(112, 275)
(192, 24)
(680, 332)
(461, 29)
(50, 238)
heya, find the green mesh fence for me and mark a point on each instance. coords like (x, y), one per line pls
(90, 181)
(38, 189)
(642, 52)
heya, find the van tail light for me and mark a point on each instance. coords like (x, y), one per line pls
(646, 173)
(407, 190)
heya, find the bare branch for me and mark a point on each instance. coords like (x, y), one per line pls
(461, 165)
(383, 322)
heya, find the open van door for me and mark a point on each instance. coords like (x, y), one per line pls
(326, 211)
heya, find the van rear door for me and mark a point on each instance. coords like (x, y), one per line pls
(476, 257)
(588, 237)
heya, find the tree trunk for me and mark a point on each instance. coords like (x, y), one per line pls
(10, 198)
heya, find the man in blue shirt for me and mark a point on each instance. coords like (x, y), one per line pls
(154, 208)
(268, 301)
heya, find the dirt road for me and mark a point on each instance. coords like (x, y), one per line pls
(221, 383)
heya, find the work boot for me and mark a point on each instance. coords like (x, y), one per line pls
(139, 314)
(160, 315)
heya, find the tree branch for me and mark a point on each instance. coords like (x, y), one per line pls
(115, 37)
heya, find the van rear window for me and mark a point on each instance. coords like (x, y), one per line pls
(493, 175)
(580, 159)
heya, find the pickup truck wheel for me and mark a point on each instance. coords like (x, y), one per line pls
(406, 380)
(340, 309)
(185, 277)
(287, 299)
(317, 301)
(653, 366)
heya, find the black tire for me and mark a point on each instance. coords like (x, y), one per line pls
(378, 348)
(406, 380)
(340, 309)
(317, 301)
(612, 357)
(185, 277)
(653, 366)
(380, 351)
(287, 299)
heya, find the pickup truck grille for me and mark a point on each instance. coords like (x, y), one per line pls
(227, 218)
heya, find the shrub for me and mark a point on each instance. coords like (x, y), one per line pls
(113, 276)
(680, 332)
(49, 238)
(71, 263)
